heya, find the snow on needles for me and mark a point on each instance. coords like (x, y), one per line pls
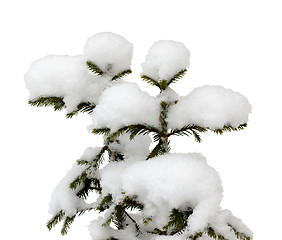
(165, 59)
(68, 76)
(157, 182)
(125, 104)
(211, 107)
(64, 198)
(112, 53)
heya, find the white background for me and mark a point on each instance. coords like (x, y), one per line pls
(236, 44)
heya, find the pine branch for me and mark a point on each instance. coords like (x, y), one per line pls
(105, 203)
(122, 74)
(133, 130)
(177, 221)
(177, 76)
(189, 130)
(67, 223)
(101, 131)
(84, 107)
(228, 128)
(149, 80)
(156, 151)
(79, 180)
(94, 68)
(55, 220)
(239, 235)
(56, 102)
(89, 186)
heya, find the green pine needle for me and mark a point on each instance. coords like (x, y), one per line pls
(94, 68)
(67, 223)
(55, 220)
(56, 102)
(122, 74)
(84, 107)
(228, 128)
(177, 76)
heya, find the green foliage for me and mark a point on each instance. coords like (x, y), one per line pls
(177, 221)
(149, 80)
(84, 107)
(132, 130)
(101, 131)
(94, 68)
(239, 235)
(79, 180)
(163, 84)
(67, 223)
(105, 203)
(189, 130)
(122, 74)
(177, 76)
(228, 128)
(90, 184)
(55, 220)
(57, 102)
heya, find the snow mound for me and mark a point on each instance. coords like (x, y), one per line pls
(64, 76)
(112, 53)
(124, 104)
(211, 107)
(157, 181)
(165, 59)
(139, 146)
(64, 198)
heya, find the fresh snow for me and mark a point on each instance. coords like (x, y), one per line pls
(157, 182)
(139, 146)
(64, 76)
(165, 59)
(64, 198)
(210, 107)
(125, 104)
(112, 53)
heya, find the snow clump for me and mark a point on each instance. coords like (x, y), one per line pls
(125, 104)
(66, 77)
(157, 183)
(64, 198)
(165, 59)
(210, 107)
(111, 52)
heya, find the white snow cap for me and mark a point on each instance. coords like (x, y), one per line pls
(165, 59)
(157, 182)
(125, 104)
(112, 53)
(64, 76)
(210, 106)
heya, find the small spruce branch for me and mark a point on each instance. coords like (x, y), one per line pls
(228, 128)
(122, 74)
(55, 220)
(239, 235)
(84, 107)
(94, 68)
(66, 225)
(57, 102)
(150, 80)
(177, 76)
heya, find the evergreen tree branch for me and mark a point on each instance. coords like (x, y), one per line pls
(55, 220)
(106, 202)
(122, 74)
(94, 68)
(150, 80)
(177, 76)
(101, 131)
(84, 107)
(57, 102)
(228, 128)
(67, 223)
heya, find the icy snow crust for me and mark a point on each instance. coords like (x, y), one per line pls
(157, 182)
(165, 59)
(211, 107)
(124, 104)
